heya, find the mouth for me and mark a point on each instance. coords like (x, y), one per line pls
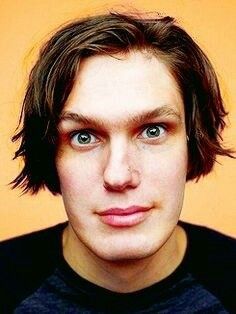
(124, 217)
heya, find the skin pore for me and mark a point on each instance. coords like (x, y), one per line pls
(122, 144)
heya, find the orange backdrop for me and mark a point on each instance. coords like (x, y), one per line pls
(24, 25)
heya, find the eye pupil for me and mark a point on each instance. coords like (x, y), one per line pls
(153, 131)
(84, 138)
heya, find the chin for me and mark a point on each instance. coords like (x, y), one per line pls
(118, 252)
(126, 257)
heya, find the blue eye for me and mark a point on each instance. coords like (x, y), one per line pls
(153, 131)
(83, 138)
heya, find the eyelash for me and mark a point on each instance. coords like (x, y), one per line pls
(145, 127)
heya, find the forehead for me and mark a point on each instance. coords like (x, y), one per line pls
(114, 87)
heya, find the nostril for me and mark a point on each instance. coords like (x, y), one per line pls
(117, 178)
(119, 182)
(113, 187)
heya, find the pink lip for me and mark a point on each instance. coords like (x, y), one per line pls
(124, 211)
(124, 217)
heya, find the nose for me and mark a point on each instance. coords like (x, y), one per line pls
(120, 171)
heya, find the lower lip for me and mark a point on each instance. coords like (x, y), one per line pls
(124, 220)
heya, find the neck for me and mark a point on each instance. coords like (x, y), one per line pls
(124, 276)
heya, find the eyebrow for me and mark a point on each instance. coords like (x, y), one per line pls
(164, 111)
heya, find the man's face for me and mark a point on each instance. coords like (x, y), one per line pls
(122, 156)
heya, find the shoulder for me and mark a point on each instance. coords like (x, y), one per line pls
(25, 261)
(23, 242)
(209, 244)
(211, 258)
(25, 249)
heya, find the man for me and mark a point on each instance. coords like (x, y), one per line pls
(119, 112)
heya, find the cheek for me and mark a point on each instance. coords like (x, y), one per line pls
(167, 171)
(76, 175)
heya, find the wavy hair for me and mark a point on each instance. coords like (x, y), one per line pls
(52, 78)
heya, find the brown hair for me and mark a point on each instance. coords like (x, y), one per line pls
(53, 75)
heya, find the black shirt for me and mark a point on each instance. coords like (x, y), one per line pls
(66, 292)
(203, 283)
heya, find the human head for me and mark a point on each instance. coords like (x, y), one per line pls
(121, 148)
(52, 78)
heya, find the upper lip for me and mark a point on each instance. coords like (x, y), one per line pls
(123, 211)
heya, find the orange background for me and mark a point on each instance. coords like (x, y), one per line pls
(24, 25)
